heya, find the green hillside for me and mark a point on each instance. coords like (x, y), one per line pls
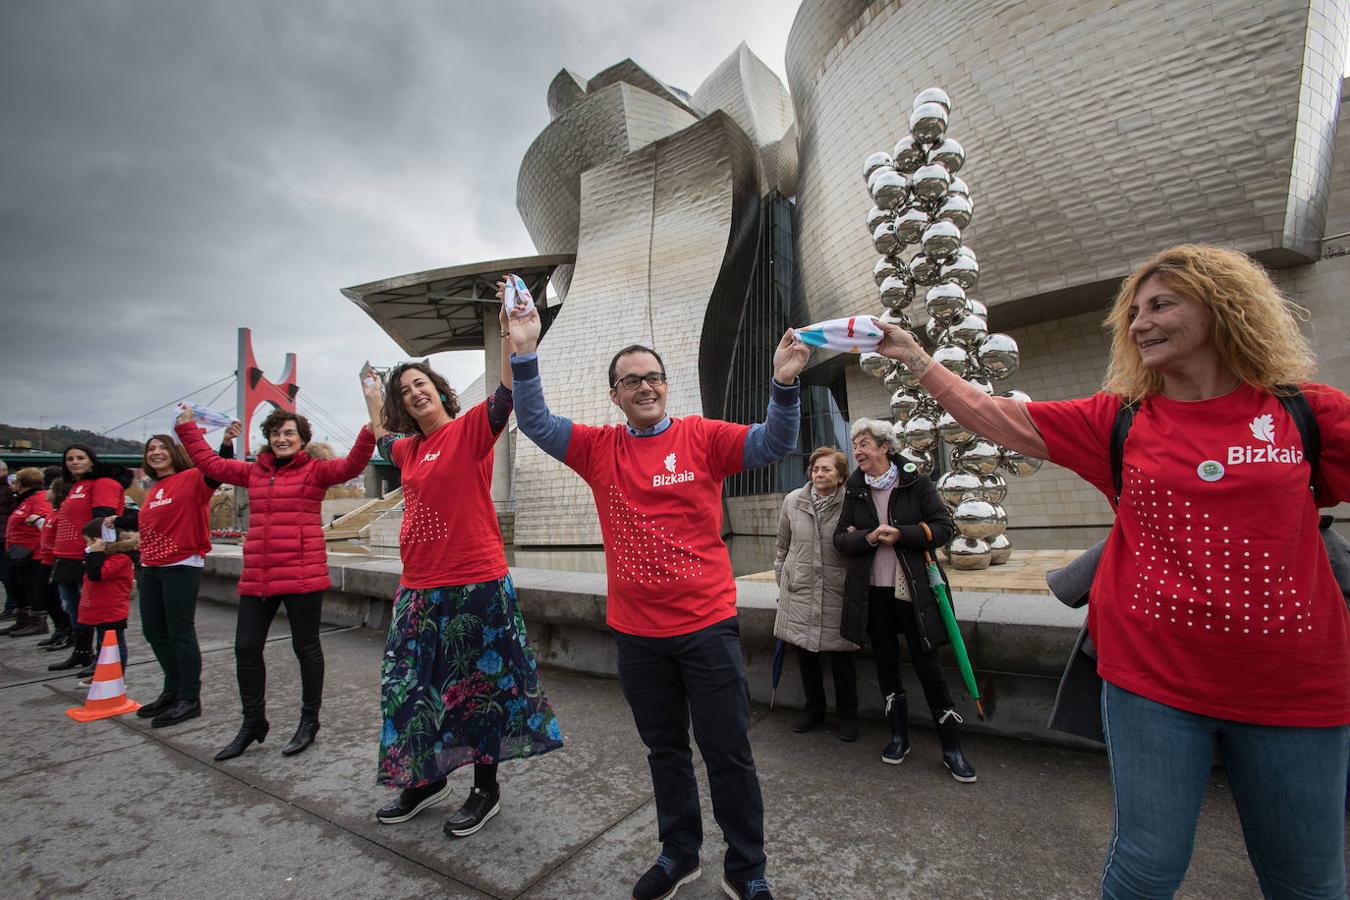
(59, 436)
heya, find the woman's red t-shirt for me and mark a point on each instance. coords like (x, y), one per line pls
(173, 520)
(78, 509)
(1214, 594)
(450, 534)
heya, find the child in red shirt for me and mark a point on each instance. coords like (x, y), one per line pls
(105, 600)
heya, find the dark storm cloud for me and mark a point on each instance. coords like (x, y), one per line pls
(172, 170)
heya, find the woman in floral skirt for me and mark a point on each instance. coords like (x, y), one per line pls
(458, 682)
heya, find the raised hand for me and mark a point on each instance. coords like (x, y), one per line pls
(900, 345)
(790, 358)
(184, 414)
(232, 430)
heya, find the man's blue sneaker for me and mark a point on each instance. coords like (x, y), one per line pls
(664, 878)
(754, 889)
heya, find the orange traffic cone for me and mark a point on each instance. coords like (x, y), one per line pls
(108, 691)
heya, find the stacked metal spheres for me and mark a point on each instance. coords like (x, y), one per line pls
(921, 201)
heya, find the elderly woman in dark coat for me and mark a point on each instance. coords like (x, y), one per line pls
(810, 575)
(891, 515)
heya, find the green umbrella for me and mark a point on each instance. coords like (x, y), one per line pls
(944, 602)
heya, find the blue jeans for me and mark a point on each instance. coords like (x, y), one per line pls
(1289, 784)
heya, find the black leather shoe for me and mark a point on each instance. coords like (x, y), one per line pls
(474, 814)
(77, 659)
(180, 711)
(250, 731)
(754, 889)
(88, 671)
(809, 720)
(664, 878)
(304, 736)
(60, 641)
(848, 729)
(51, 639)
(411, 801)
(162, 702)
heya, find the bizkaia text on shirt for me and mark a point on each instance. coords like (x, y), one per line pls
(671, 476)
(431, 457)
(160, 500)
(1263, 428)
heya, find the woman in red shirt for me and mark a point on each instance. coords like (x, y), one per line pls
(56, 494)
(174, 528)
(97, 490)
(23, 537)
(1214, 611)
(285, 560)
(458, 684)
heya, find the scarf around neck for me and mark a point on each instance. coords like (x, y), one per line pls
(883, 481)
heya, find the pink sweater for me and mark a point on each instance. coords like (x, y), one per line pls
(1002, 420)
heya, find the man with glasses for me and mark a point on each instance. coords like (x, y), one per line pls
(657, 484)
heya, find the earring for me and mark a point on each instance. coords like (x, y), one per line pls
(443, 398)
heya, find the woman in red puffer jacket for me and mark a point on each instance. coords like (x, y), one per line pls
(285, 560)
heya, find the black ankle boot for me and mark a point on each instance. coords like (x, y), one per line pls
(77, 659)
(60, 641)
(809, 720)
(952, 757)
(304, 734)
(897, 712)
(252, 730)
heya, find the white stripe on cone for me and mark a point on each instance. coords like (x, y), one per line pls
(106, 690)
(108, 654)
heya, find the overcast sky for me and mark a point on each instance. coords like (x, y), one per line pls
(171, 170)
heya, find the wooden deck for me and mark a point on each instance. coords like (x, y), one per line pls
(1024, 573)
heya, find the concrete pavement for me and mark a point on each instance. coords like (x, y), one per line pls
(117, 809)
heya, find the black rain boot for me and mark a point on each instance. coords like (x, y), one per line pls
(897, 711)
(304, 734)
(253, 729)
(952, 757)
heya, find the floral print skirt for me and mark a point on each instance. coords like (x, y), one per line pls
(459, 684)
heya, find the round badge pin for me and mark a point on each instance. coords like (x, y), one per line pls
(911, 468)
(1210, 470)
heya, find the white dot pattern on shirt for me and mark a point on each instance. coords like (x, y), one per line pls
(158, 545)
(1195, 572)
(421, 522)
(645, 552)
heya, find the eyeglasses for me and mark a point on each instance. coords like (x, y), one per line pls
(631, 382)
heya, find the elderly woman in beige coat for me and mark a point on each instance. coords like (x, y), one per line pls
(810, 576)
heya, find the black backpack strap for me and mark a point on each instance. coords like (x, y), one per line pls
(1298, 408)
(1119, 430)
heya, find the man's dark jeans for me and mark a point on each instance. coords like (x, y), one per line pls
(698, 677)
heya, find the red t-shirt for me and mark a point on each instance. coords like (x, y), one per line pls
(18, 533)
(48, 540)
(173, 519)
(109, 598)
(1214, 594)
(449, 534)
(660, 505)
(78, 509)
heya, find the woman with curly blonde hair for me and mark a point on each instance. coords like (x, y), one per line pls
(1215, 614)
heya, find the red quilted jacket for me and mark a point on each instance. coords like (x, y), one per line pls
(284, 549)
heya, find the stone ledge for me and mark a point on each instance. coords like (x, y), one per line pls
(1018, 642)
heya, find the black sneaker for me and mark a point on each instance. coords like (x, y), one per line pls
(664, 878)
(411, 801)
(474, 814)
(754, 889)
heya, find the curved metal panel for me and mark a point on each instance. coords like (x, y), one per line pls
(1094, 138)
(661, 260)
(746, 89)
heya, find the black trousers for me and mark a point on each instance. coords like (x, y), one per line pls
(169, 623)
(250, 635)
(845, 682)
(51, 599)
(697, 678)
(21, 583)
(887, 618)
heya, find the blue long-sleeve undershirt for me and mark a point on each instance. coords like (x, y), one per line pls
(767, 442)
